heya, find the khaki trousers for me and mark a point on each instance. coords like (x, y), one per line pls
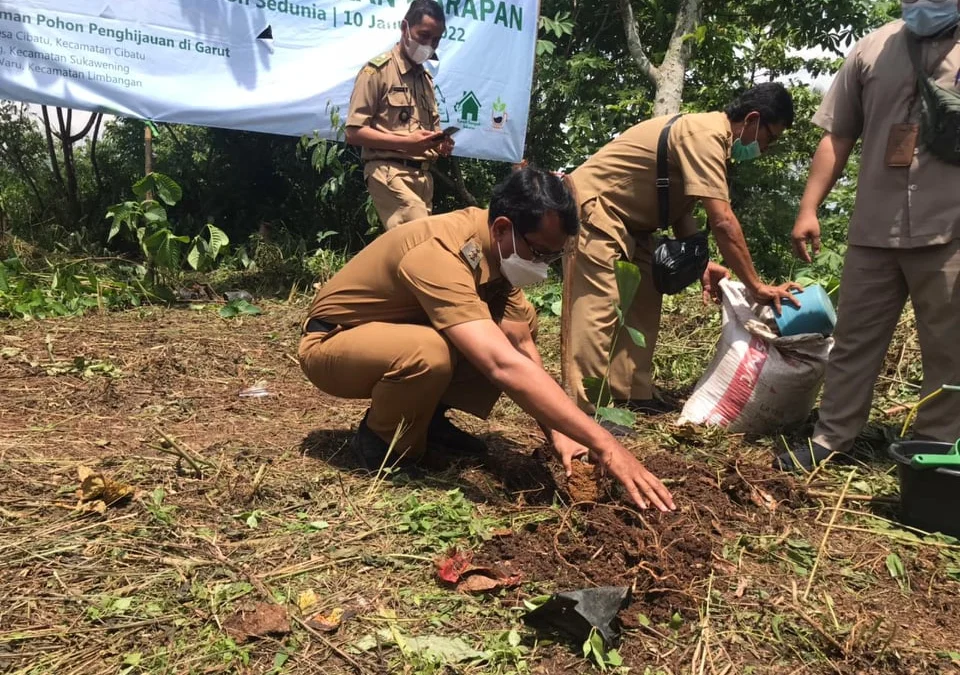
(406, 370)
(590, 319)
(874, 287)
(400, 194)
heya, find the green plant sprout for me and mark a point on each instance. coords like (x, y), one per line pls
(598, 389)
(596, 651)
(146, 220)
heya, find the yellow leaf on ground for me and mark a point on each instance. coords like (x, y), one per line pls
(96, 486)
(306, 600)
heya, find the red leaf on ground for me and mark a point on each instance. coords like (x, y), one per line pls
(454, 565)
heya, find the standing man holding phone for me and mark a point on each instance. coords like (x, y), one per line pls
(393, 117)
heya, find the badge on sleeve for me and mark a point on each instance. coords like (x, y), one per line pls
(471, 253)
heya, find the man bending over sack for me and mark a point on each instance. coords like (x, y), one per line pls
(430, 316)
(649, 178)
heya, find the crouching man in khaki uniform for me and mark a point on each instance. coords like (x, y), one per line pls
(618, 198)
(430, 316)
(393, 117)
(904, 235)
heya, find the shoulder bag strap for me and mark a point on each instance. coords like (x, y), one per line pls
(663, 175)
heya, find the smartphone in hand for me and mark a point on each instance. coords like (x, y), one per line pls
(450, 131)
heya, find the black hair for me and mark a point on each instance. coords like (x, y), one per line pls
(770, 99)
(421, 8)
(528, 194)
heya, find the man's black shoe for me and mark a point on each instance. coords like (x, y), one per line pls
(616, 430)
(802, 455)
(446, 438)
(369, 448)
(647, 406)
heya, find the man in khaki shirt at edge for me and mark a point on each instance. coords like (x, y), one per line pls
(617, 192)
(904, 235)
(393, 117)
(430, 316)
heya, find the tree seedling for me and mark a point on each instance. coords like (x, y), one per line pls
(598, 389)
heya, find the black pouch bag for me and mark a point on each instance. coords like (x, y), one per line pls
(940, 114)
(677, 263)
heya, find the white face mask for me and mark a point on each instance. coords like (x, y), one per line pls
(417, 52)
(520, 271)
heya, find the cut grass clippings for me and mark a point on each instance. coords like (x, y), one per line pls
(247, 541)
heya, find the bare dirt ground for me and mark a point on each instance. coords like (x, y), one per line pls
(219, 533)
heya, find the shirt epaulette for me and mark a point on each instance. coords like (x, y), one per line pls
(380, 61)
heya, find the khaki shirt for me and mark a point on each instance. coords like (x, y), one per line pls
(896, 207)
(395, 95)
(433, 271)
(622, 175)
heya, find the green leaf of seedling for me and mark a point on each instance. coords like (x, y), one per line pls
(637, 337)
(193, 257)
(597, 391)
(628, 281)
(619, 416)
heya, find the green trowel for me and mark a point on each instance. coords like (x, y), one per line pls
(950, 459)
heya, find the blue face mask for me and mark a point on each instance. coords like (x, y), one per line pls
(745, 152)
(929, 17)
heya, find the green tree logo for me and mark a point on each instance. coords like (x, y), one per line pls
(499, 114)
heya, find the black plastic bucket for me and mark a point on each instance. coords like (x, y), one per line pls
(929, 498)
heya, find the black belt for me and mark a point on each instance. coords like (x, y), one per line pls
(316, 325)
(410, 163)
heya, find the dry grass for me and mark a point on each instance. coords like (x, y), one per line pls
(243, 501)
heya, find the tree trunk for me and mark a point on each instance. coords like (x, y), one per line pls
(51, 149)
(148, 156)
(668, 77)
(456, 182)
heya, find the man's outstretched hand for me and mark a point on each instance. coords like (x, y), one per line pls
(568, 450)
(643, 488)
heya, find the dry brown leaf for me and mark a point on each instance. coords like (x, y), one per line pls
(763, 499)
(483, 579)
(478, 583)
(742, 587)
(262, 619)
(95, 506)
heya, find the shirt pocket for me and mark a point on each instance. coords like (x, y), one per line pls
(401, 112)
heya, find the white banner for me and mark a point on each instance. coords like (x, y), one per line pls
(275, 66)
